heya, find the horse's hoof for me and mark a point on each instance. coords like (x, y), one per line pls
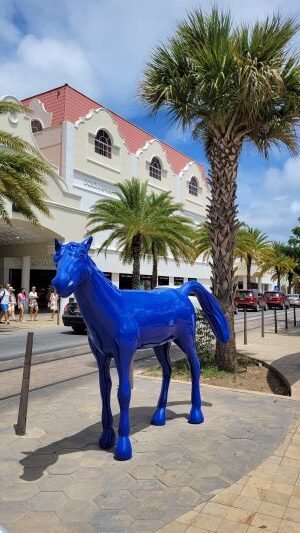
(107, 438)
(159, 417)
(196, 416)
(123, 450)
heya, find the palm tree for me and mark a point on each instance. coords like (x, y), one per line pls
(229, 85)
(22, 171)
(274, 260)
(175, 233)
(141, 224)
(252, 244)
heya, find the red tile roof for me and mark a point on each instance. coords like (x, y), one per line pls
(68, 104)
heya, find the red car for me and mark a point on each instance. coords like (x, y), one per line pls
(277, 299)
(250, 299)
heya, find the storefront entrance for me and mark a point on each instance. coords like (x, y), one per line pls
(41, 279)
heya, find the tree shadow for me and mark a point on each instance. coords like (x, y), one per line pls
(35, 463)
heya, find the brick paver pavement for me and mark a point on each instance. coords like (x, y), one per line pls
(266, 499)
(56, 480)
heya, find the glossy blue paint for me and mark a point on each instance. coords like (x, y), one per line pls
(121, 322)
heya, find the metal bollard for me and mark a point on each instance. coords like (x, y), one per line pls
(295, 323)
(275, 319)
(20, 427)
(262, 321)
(286, 318)
(245, 325)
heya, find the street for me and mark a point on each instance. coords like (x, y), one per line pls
(12, 344)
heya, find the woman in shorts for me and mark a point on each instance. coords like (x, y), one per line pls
(22, 304)
(33, 304)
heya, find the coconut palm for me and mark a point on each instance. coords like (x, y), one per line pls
(229, 85)
(22, 173)
(141, 224)
(202, 242)
(274, 260)
(175, 233)
(252, 244)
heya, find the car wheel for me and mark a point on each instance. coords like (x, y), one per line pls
(256, 308)
(282, 307)
(266, 307)
(80, 330)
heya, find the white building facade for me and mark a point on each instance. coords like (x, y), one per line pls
(92, 149)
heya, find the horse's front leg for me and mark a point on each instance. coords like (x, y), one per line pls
(107, 437)
(123, 450)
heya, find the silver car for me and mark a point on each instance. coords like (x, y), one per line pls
(294, 299)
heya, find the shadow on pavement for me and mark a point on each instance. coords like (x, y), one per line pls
(35, 463)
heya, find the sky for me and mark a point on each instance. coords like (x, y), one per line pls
(101, 47)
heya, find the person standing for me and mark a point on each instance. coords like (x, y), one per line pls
(12, 303)
(33, 303)
(53, 298)
(22, 304)
(4, 303)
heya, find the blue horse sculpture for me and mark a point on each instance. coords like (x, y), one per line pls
(119, 322)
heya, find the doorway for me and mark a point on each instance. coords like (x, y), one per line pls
(41, 279)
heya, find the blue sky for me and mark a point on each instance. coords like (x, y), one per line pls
(101, 46)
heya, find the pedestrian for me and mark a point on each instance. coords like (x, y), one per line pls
(22, 304)
(33, 303)
(12, 303)
(4, 303)
(53, 299)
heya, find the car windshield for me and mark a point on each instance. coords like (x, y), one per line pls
(243, 294)
(272, 293)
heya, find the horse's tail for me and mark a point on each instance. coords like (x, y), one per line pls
(211, 309)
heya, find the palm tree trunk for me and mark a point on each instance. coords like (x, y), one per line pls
(136, 255)
(154, 267)
(249, 264)
(222, 227)
(278, 278)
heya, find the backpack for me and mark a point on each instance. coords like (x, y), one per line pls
(2, 295)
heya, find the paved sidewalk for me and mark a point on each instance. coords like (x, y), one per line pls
(267, 499)
(44, 321)
(57, 480)
(281, 351)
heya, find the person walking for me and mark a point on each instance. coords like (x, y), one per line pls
(53, 299)
(22, 304)
(33, 303)
(12, 303)
(4, 303)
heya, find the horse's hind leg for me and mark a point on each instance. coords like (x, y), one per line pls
(162, 354)
(107, 437)
(188, 346)
(123, 450)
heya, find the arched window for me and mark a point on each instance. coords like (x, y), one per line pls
(103, 144)
(155, 169)
(36, 125)
(193, 187)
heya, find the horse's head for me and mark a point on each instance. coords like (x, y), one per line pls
(73, 265)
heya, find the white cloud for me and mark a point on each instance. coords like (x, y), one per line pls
(269, 203)
(101, 47)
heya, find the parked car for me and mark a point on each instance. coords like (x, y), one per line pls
(294, 299)
(277, 299)
(72, 317)
(250, 299)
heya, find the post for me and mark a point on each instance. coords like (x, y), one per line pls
(245, 325)
(295, 323)
(286, 318)
(275, 319)
(20, 427)
(262, 321)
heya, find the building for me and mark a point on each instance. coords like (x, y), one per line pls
(92, 149)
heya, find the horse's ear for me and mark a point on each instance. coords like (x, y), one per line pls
(87, 243)
(58, 245)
